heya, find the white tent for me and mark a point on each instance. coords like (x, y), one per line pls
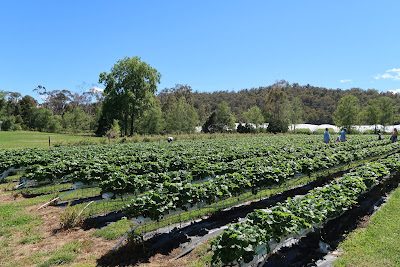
(360, 128)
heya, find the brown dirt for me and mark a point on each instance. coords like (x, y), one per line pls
(93, 249)
(364, 221)
(54, 237)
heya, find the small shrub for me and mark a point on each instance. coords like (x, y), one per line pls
(136, 242)
(69, 218)
(53, 196)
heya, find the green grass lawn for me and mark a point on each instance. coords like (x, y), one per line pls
(379, 243)
(30, 139)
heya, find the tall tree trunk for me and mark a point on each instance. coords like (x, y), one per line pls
(126, 123)
(132, 124)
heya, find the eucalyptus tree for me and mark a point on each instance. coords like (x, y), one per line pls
(254, 115)
(385, 105)
(221, 120)
(346, 114)
(179, 114)
(127, 87)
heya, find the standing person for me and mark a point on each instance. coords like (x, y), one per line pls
(379, 135)
(394, 135)
(343, 135)
(327, 137)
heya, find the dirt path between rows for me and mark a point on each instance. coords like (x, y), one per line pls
(54, 238)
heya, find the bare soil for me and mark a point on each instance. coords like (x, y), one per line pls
(93, 248)
(54, 237)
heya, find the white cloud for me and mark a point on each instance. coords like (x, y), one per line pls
(43, 97)
(96, 89)
(345, 81)
(393, 74)
(395, 91)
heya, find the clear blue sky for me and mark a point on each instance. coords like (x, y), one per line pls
(209, 45)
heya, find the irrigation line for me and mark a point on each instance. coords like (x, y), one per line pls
(44, 205)
(133, 229)
(83, 210)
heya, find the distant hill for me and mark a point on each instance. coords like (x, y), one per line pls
(319, 102)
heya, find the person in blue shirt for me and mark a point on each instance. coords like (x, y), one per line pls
(343, 135)
(327, 137)
(394, 135)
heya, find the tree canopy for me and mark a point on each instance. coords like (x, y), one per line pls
(346, 114)
(129, 87)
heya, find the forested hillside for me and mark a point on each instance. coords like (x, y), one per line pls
(132, 104)
(319, 103)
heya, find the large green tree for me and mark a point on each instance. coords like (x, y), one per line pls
(181, 117)
(346, 114)
(295, 109)
(127, 87)
(277, 107)
(25, 104)
(42, 119)
(221, 120)
(370, 114)
(179, 114)
(152, 121)
(254, 115)
(76, 121)
(386, 110)
(276, 100)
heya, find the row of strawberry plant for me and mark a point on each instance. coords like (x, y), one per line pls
(211, 150)
(166, 197)
(88, 171)
(259, 172)
(161, 156)
(263, 229)
(163, 162)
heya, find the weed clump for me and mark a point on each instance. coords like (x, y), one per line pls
(70, 218)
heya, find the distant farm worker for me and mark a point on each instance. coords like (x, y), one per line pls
(338, 139)
(379, 135)
(394, 135)
(170, 139)
(343, 135)
(327, 137)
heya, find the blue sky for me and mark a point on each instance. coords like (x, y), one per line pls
(209, 45)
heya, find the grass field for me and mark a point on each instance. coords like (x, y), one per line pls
(28, 139)
(379, 243)
(31, 139)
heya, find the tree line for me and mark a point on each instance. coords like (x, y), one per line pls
(130, 104)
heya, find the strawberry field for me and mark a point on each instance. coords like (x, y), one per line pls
(268, 189)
